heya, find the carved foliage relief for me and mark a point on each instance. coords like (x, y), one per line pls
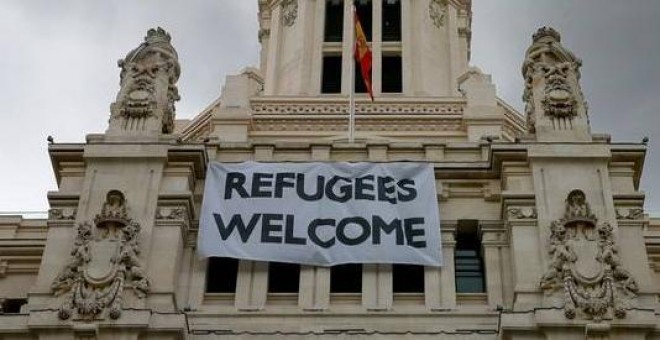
(104, 262)
(585, 266)
(148, 82)
(289, 12)
(438, 12)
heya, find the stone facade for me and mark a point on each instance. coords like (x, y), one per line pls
(567, 249)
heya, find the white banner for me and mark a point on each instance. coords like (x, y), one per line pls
(321, 213)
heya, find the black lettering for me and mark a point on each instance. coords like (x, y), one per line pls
(289, 238)
(345, 190)
(235, 181)
(378, 224)
(341, 231)
(311, 232)
(300, 188)
(361, 185)
(261, 181)
(281, 183)
(411, 232)
(408, 186)
(386, 189)
(268, 227)
(236, 222)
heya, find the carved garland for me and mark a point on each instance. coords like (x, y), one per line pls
(585, 264)
(103, 262)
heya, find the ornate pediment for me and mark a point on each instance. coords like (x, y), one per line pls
(104, 261)
(585, 266)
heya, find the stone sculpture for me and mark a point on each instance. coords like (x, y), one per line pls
(145, 102)
(584, 264)
(104, 261)
(552, 75)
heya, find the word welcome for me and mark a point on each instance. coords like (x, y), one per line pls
(279, 228)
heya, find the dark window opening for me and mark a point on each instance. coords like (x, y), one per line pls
(331, 78)
(221, 275)
(360, 86)
(468, 260)
(407, 278)
(12, 306)
(283, 277)
(334, 20)
(391, 75)
(363, 10)
(346, 278)
(391, 20)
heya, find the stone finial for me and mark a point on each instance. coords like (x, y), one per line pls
(145, 102)
(547, 33)
(555, 106)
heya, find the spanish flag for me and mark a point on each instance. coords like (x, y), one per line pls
(363, 55)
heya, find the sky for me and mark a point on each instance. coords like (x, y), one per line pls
(59, 68)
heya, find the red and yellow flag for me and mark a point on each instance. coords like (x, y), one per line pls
(363, 55)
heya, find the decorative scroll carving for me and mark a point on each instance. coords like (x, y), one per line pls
(522, 213)
(630, 214)
(289, 12)
(62, 214)
(555, 71)
(584, 263)
(103, 262)
(437, 12)
(148, 86)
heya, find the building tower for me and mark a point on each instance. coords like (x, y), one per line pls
(542, 230)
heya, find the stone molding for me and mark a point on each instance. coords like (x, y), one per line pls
(314, 108)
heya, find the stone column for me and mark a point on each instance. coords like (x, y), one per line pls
(314, 280)
(447, 272)
(251, 285)
(492, 246)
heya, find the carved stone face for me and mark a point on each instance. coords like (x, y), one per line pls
(559, 100)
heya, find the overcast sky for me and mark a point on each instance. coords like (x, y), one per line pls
(59, 68)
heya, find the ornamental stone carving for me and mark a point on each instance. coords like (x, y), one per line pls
(104, 262)
(289, 12)
(437, 12)
(552, 89)
(516, 213)
(630, 214)
(145, 102)
(62, 214)
(585, 266)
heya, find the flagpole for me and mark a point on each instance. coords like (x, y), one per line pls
(351, 109)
